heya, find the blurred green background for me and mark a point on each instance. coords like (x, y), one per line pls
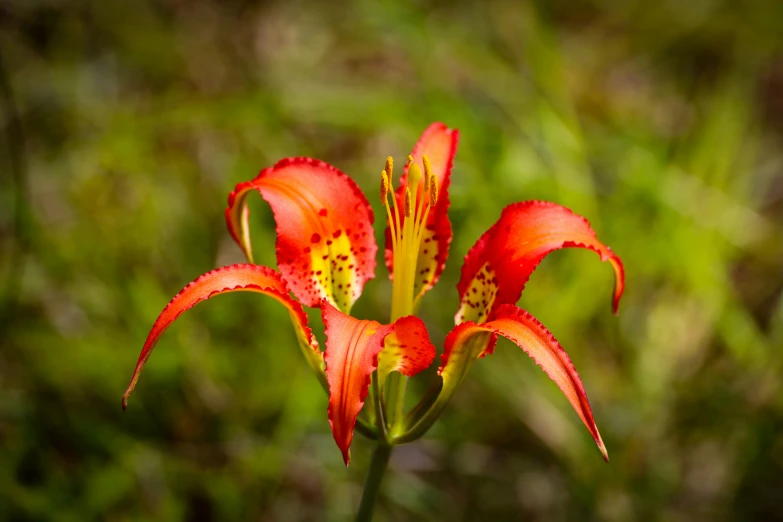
(126, 124)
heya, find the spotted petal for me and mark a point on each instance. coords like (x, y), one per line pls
(467, 341)
(500, 263)
(407, 349)
(352, 350)
(439, 144)
(234, 278)
(325, 243)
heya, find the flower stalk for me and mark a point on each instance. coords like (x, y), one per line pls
(372, 484)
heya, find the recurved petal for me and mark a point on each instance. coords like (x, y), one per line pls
(439, 144)
(325, 243)
(467, 341)
(234, 278)
(351, 355)
(500, 263)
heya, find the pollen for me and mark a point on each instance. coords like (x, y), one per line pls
(427, 166)
(384, 186)
(408, 201)
(433, 182)
(389, 167)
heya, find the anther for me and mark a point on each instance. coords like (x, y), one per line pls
(433, 190)
(427, 166)
(389, 167)
(427, 173)
(384, 186)
(407, 202)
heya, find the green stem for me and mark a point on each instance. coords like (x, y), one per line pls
(372, 484)
(380, 416)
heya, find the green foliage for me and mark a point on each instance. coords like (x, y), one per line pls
(125, 125)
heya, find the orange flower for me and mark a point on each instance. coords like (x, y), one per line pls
(326, 253)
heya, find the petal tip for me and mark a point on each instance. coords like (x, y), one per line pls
(342, 440)
(600, 443)
(619, 283)
(132, 385)
(602, 448)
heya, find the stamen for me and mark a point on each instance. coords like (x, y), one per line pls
(427, 166)
(394, 218)
(427, 174)
(389, 166)
(408, 223)
(384, 188)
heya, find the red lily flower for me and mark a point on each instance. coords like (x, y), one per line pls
(326, 253)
